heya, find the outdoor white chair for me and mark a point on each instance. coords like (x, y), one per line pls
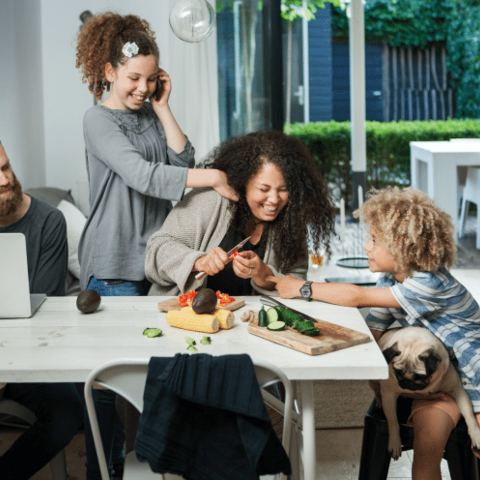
(471, 194)
(58, 464)
(127, 378)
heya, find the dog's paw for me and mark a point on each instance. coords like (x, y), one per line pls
(475, 441)
(395, 447)
(476, 451)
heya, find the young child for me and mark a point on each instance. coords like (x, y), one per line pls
(411, 243)
(138, 160)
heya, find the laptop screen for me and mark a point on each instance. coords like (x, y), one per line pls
(14, 285)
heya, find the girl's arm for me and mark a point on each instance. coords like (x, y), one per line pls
(176, 140)
(343, 294)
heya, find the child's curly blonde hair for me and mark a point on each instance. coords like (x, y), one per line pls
(411, 227)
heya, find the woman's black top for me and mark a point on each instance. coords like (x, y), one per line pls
(226, 281)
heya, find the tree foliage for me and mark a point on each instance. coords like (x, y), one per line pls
(420, 23)
(400, 22)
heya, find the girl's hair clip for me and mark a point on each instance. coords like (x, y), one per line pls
(130, 49)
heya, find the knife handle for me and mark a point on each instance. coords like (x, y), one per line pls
(200, 275)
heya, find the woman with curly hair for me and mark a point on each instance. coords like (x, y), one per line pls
(284, 203)
(138, 161)
(412, 244)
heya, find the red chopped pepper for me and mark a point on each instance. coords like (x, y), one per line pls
(186, 299)
(224, 298)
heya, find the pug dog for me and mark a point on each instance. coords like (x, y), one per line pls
(419, 366)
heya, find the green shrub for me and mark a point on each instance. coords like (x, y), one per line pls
(388, 148)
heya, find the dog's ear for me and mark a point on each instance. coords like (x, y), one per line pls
(391, 352)
(431, 359)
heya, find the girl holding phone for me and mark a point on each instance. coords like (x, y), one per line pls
(138, 161)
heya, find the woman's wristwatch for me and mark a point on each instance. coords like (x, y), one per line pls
(306, 291)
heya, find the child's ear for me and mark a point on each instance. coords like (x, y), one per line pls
(109, 71)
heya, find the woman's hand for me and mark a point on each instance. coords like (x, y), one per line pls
(248, 264)
(287, 287)
(213, 262)
(166, 88)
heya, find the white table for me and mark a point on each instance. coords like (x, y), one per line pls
(60, 344)
(434, 169)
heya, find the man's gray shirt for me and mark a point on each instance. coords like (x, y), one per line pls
(133, 176)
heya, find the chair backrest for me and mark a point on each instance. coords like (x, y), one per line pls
(127, 377)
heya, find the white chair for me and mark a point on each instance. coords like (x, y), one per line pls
(127, 378)
(471, 194)
(58, 464)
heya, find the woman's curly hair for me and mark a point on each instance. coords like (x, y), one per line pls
(411, 227)
(308, 216)
(100, 41)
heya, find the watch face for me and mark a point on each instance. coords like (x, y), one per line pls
(306, 290)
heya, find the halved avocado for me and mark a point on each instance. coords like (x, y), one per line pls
(205, 301)
(88, 301)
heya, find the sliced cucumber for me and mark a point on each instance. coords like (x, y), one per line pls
(276, 326)
(312, 333)
(273, 315)
(205, 340)
(304, 326)
(192, 349)
(190, 341)
(152, 332)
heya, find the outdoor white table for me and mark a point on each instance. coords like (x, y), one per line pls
(60, 344)
(434, 170)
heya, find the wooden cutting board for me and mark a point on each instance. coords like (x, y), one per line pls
(333, 337)
(172, 304)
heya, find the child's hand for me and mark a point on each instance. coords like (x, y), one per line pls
(287, 287)
(166, 88)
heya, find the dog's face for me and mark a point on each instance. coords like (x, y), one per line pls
(415, 364)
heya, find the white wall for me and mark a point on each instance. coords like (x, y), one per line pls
(43, 99)
(21, 99)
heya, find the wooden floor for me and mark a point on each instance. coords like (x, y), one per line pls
(338, 456)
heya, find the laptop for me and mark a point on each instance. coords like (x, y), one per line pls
(15, 298)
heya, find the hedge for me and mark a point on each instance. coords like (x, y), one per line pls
(388, 148)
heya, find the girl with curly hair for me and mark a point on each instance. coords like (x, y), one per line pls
(412, 244)
(284, 203)
(138, 161)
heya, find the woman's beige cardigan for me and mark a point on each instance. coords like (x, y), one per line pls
(195, 226)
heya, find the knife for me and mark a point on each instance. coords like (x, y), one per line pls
(234, 250)
(272, 302)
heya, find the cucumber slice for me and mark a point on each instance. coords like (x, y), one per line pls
(276, 326)
(192, 349)
(190, 341)
(205, 340)
(272, 315)
(304, 326)
(152, 332)
(312, 333)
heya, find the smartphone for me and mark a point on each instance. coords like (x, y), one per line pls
(158, 91)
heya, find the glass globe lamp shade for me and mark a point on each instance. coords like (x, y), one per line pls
(192, 20)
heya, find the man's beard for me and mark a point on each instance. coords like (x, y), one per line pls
(12, 201)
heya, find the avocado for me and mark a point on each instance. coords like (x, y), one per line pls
(88, 301)
(205, 301)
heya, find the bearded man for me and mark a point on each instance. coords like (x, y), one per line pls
(58, 407)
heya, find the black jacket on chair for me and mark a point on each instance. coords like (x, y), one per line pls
(204, 419)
